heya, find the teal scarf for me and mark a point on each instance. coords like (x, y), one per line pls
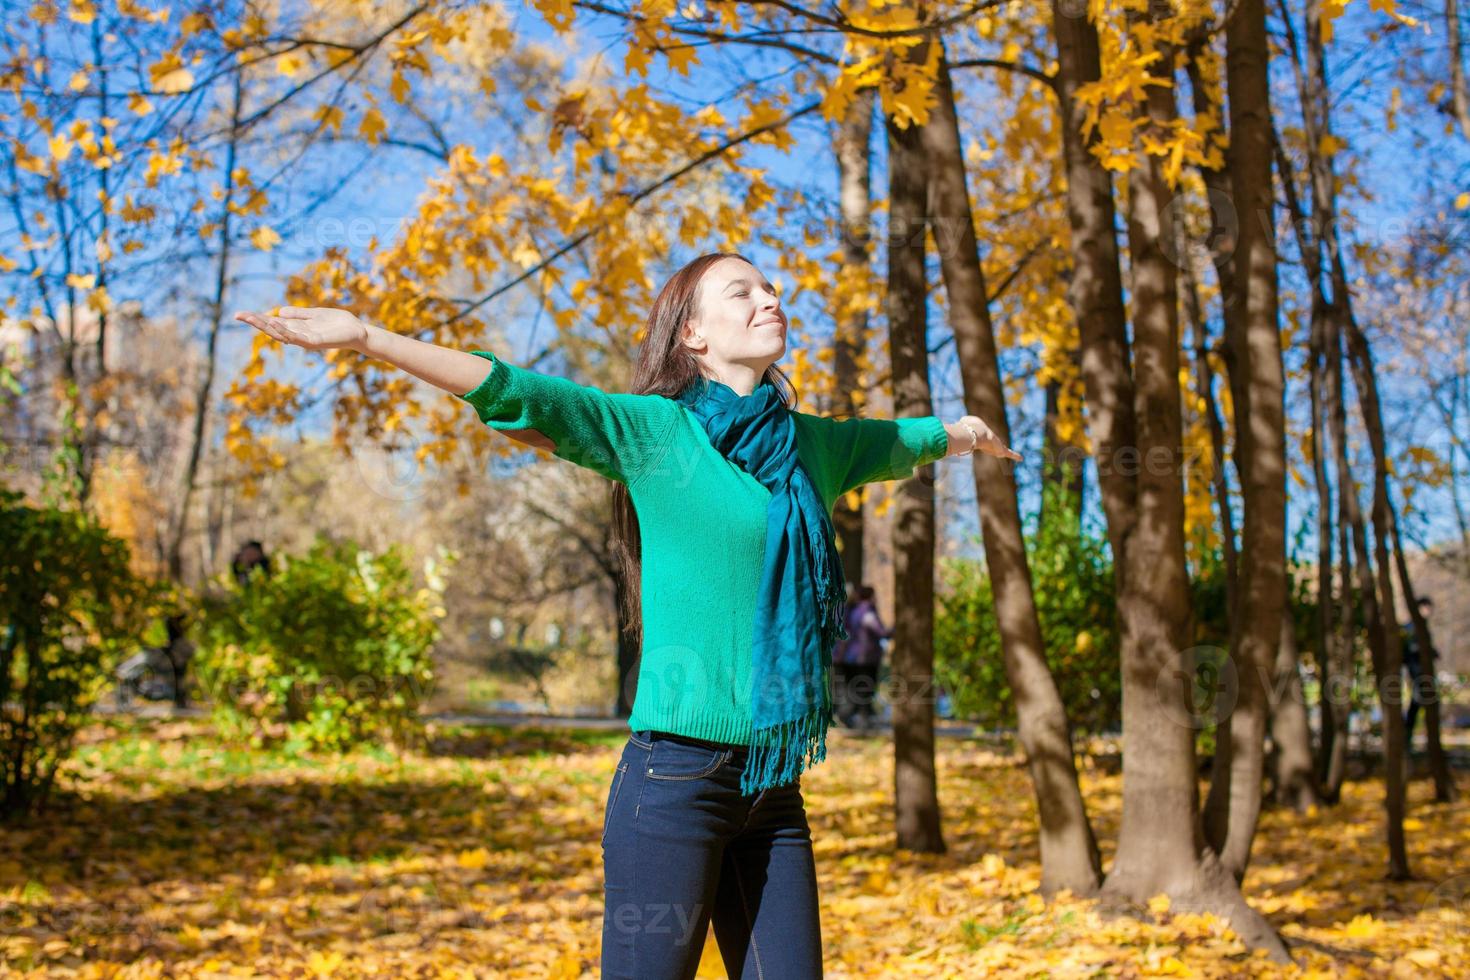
(798, 616)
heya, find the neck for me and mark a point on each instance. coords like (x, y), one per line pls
(741, 378)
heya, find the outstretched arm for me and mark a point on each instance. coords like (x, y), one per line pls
(616, 435)
(326, 328)
(863, 450)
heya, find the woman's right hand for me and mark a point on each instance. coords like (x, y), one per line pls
(313, 328)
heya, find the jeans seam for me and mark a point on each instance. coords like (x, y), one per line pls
(749, 920)
(720, 760)
(722, 756)
(621, 775)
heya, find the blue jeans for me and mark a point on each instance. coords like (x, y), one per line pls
(683, 848)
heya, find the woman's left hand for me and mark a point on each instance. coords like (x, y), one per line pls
(986, 441)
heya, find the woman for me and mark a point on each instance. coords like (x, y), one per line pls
(723, 519)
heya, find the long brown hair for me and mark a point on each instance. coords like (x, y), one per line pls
(666, 367)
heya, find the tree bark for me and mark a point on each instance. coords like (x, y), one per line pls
(1459, 91)
(1439, 768)
(1156, 842)
(1387, 653)
(916, 794)
(852, 146)
(1069, 856)
(1294, 782)
(1205, 382)
(1135, 422)
(1377, 596)
(1095, 291)
(1258, 381)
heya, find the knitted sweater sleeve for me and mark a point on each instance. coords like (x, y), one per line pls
(616, 435)
(858, 451)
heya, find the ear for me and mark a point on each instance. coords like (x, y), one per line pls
(689, 337)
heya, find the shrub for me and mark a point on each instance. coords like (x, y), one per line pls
(71, 607)
(1072, 580)
(333, 648)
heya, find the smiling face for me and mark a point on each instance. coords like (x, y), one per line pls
(740, 329)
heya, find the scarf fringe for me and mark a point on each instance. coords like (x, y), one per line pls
(779, 754)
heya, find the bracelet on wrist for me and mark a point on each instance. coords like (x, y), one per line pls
(974, 439)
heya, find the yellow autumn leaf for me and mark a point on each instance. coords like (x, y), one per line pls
(635, 61)
(330, 116)
(1462, 201)
(139, 104)
(1363, 927)
(78, 281)
(265, 238)
(78, 81)
(372, 125)
(1331, 10)
(82, 12)
(169, 75)
(60, 147)
(398, 87)
(473, 860)
(98, 300)
(322, 963)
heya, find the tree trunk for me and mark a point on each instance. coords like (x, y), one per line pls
(1156, 842)
(1069, 857)
(216, 321)
(853, 148)
(1205, 382)
(1444, 782)
(1295, 782)
(1387, 653)
(1135, 420)
(1459, 92)
(1258, 381)
(1334, 711)
(916, 793)
(1095, 291)
(1379, 608)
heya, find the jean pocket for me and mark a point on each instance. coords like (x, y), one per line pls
(612, 798)
(670, 759)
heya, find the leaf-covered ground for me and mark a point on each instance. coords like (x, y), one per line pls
(183, 858)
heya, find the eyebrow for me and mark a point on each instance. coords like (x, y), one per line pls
(746, 282)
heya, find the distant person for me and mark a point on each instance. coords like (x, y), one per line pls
(250, 557)
(1420, 666)
(841, 702)
(862, 654)
(180, 650)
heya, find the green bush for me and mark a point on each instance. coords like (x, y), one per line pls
(332, 649)
(71, 609)
(1072, 580)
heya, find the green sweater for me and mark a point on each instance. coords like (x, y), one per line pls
(702, 520)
